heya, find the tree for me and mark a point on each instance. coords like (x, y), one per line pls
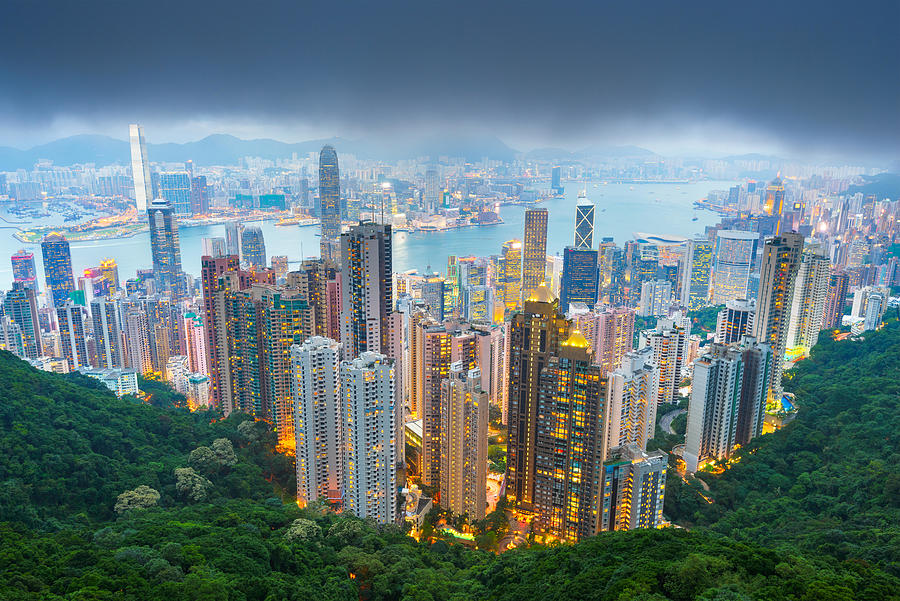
(303, 529)
(191, 485)
(141, 497)
(224, 451)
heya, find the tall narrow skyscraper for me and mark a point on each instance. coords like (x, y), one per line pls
(164, 247)
(57, 268)
(366, 289)
(632, 400)
(330, 203)
(735, 251)
(175, 186)
(835, 299)
(580, 277)
(20, 305)
(584, 222)
(808, 302)
(71, 332)
(253, 247)
(509, 276)
(140, 168)
(697, 273)
(23, 268)
(432, 190)
(534, 255)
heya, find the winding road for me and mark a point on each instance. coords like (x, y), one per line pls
(666, 422)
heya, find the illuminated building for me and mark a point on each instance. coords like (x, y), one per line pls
(175, 187)
(108, 332)
(656, 298)
(195, 344)
(774, 204)
(778, 272)
(735, 320)
(808, 302)
(669, 344)
(312, 280)
(280, 266)
(569, 448)
(633, 488)
(23, 269)
(315, 371)
(20, 305)
(579, 277)
(140, 168)
(509, 275)
(70, 318)
(165, 248)
(232, 238)
(534, 255)
(463, 442)
(57, 267)
(433, 295)
(735, 251)
(728, 400)
(366, 289)
(373, 451)
(835, 299)
(253, 247)
(211, 269)
(330, 204)
(584, 223)
(109, 270)
(534, 337)
(137, 341)
(633, 391)
(614, 337)
(696, 281)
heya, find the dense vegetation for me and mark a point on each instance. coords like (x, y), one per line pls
(814, 509)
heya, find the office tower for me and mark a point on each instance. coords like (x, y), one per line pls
(23, 268)
(808, 300)
(584, 222)
(613, 337)
(735, 320)
(735, 251)
(232, 238)
(569, 430)
(137, 341)
(213, 247)
(432, 190)
(554, 273)
(140, 168)
(253, 247)
(165, 247)
(835, 299)
(366, 289)
(633, 391)
(108, 333)
(211, 270)
(534, 337)
(20, 305)
(669, 343)
(509, 275)
(778, 272)
(110, 271)
(433, 295)
(199, 195)
(579, 277)
(555, 183)
(372, 449)
(330, 204)
(315, 371)
(697, 272)
(774, 204)
(656, 298)
(57, 267)
(534, 256)
(633, 489)
(175, 187)
(728, 400)
(464, 437)
(70, 318)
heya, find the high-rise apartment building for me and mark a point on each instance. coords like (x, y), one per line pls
(23, 268)
(774, 203)
(735, 251)
(366, 289)
(318, 421)
(632, 398)
(808, 300)
(614, 337)
(372, 449)
(534, 254)
(431, 357)
(137, 341)
(175, 187)
(211, 269)
(509, 275)
(463, 442)
(728, 400)
(330, 204)
(140, 168)
(534, 337)
(735, 320)
(70, 318)
(835, 299)
(107, 318)
(232, 238)
(584, 222)
(778, 273)
(697, 274)
(633, 489)
(253, 247)
(656, 298)
(165, 247)
(580, 277)
(57, 267)
(20, 305)
(669, 343)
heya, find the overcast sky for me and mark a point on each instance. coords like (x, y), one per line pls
(790, 77)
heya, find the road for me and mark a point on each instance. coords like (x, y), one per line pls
(666, 422)
(517, 535)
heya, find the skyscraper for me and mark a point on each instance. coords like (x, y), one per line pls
(20, 305)
(735, 320)
(23, 268)
(697, 273)
(534, 257)
(808, 300)
(463, 442)
(330, 203)
(669, 343)
(728, 400)
(774, 204)
(372, 449)
(569, 448)
(632, 400)
(57, 267)
(175, 187)
(71, 331)
(656, 298)
(366, 288)
(614, 337)
(232, 238)
(778, 273)
(140, 168)
(431, 358)
(199, 195)
(108, 332)
(432, 190)
(835, 299)
(735, 250)
(580, 277)
(137, 341)
(633, 489)
(318, 421)
(509, 277)
(253, 247)
(165, 247)
(213, 247)
(584, 222)
(534, 337)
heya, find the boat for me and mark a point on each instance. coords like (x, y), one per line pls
(694, 219)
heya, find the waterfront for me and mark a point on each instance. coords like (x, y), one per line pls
(621, 210)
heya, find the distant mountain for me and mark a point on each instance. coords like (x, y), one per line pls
(550, 154)
(615, 152)
(224, 149)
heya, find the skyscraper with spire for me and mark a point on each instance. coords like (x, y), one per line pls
(584, 222)
(330, 203)
(140, 168)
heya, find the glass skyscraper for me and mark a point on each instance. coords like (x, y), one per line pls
(534, 251)
(735, 250)
(164, 247)
(330, 203)
(23, 268)
(584, 222)
(57, 267)
(140, 168)
(579, 277)
(253, 247)
(175, 186)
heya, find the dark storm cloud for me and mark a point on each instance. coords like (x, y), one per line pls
(810, 73)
